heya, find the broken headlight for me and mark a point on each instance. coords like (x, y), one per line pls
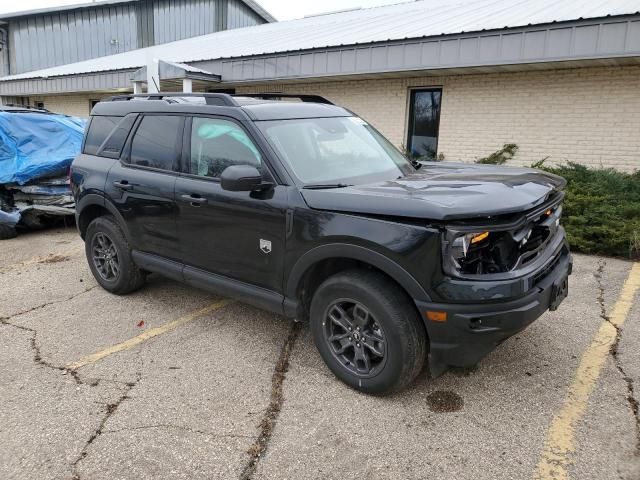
(460, 243)
(479, 252)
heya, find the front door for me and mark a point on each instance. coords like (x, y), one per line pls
(142, 184)
(240, 235)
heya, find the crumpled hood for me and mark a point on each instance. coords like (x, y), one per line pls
(444, 191)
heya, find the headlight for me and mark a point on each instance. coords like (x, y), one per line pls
(457, 247)
(461, 244)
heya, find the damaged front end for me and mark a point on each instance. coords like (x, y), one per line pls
(39, 204)
(501, 248)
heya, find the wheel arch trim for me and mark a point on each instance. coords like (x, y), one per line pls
(354, 252)
(92, 199)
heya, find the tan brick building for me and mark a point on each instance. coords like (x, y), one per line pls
(566, 88)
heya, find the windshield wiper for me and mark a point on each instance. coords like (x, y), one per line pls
(323, 186)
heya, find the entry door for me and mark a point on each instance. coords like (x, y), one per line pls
(142, 185)
(240, 235)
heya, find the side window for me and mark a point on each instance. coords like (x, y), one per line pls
(217, 144)
(156, 142)
(99, 130)
(112, 146)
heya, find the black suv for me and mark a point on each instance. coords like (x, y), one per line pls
(304, 209)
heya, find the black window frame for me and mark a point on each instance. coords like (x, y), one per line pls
(410, 124)
(185, 166)
(125, 157)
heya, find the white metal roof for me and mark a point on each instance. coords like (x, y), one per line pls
(395, 22)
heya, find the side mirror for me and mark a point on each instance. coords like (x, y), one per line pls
(240, 178)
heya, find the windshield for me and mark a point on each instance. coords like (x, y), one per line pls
(339, 150)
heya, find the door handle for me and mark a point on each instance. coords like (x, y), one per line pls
(123, 185)
(194, 199)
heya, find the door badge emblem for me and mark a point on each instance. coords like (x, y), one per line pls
(265, 246)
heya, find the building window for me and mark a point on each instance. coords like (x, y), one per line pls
(424, 122)
(93, 103)
(39, 105)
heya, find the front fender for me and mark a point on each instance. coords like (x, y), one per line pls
(355, 252)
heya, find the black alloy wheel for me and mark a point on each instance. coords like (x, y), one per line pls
(367, 331)
(105, 257)
(355, 338)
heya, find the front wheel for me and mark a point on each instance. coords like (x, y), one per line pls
(368, 332)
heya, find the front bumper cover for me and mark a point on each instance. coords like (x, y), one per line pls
(474, 330)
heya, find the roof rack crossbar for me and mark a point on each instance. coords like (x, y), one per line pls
(218, 99)
(279, 95)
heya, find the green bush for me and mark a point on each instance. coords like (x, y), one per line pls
(500, 157)
(601, 210)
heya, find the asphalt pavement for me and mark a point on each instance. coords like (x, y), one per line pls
(176, 383)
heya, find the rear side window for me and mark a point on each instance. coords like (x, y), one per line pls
(99, 130)
(156, 142)
(112, 146)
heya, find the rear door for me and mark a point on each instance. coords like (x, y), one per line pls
(142, 184)
(240, 235)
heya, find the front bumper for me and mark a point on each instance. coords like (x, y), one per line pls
(471, 331)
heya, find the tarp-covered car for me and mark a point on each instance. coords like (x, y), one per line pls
(36, 150)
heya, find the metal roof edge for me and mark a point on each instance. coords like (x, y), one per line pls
(260, 10)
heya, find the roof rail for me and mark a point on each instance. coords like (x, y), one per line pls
(279, 95)
(218, 99)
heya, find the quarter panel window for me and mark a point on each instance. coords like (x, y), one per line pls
(156, 142)
(424, 122)
(112, 146)
(217, 144)
(99, 129)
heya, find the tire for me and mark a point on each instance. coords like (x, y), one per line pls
(7, 232)
(385, 326)
(105, 239)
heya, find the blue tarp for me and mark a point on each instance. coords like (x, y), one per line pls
(37, 145)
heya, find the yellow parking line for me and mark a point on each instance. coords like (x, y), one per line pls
(146, 335)
(560, 437)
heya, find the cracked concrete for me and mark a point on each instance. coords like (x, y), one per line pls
(270, 416)
(631, 398)
(110, 409)
(240, 393)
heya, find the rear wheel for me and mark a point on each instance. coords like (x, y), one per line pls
(109, 257)
(367, 331)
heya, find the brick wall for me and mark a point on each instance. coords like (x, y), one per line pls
(77, 105)
(585, 115)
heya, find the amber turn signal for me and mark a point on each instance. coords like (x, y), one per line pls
(436, 316)
(479, 237)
